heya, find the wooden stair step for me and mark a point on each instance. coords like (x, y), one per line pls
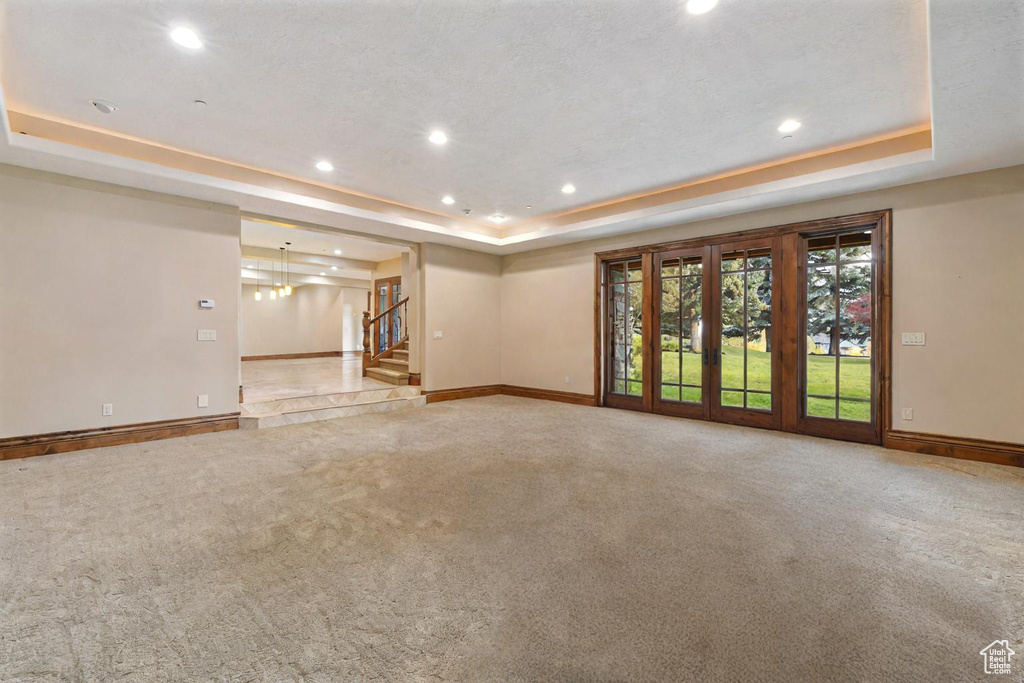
(400, 354)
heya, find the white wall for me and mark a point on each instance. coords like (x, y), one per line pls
(462, 299)
(958, 250)
(314, 319)
(99, 292)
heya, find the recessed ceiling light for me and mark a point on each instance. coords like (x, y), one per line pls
(324, 166)
(199, 103)
(447, 199)
(278, 284)
(700, 6)
(529, 206)
(104, 107)
(789, 125)
(334, 267)
(438, 137)
(322, 274)
(497, 218)
(568, 188)
(337, 252)
(186, 37)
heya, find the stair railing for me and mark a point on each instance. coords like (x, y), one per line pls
(390, 329)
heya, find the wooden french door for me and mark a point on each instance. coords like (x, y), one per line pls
(785, 329)
(744, 360)
(389, 328)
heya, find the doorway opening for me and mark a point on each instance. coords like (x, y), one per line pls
(784, 328)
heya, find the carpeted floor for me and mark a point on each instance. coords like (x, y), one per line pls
(505, 539)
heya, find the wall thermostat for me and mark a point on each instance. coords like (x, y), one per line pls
(206, 303)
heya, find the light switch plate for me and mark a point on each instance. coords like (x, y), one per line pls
(908, 413)
(204, 401)
(206, 335)
(438, 334)
(108, 409)
(912, 339)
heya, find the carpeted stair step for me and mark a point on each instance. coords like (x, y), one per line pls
(397, 364)
(390, 376)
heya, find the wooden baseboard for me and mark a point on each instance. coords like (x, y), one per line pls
(464, 392)
(549, 395)
(15, 447)
(965, 448)
(509, 390)
(292, 356)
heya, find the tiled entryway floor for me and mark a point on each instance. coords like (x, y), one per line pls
(266, 380)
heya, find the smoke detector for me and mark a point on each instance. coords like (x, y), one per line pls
(104, 107)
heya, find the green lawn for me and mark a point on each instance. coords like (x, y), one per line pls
(854, 381)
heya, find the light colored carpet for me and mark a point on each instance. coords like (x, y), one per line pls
(506, 539)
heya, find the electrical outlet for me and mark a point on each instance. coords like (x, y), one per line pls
(568, 379)
(438, 334)
(108, 409)
(908, 413)
(206, 335)
(204, 401)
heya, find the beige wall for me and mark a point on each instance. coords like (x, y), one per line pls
(99, 292)
(462, 300)
(958, 249)
(313, 319)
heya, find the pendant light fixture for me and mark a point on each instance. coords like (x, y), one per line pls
(273, 273)
(288, 271)
(280, 289)
(259, 294)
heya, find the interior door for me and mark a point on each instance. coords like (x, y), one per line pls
(682, 369)
(745, 356)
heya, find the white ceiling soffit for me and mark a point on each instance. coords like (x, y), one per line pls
(656, 116)
(319, 243)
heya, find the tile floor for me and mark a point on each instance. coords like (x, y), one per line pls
(268, 380)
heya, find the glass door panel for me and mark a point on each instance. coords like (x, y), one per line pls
(744, 357)
(839, 281)
(680, 351)
(625, 305)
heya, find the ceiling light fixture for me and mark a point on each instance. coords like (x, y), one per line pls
(324, 166)
(568, 188)
(323, 274)
(186, 37)
(497, 218)
(789, 125)
(700, 6)
(259, 283)
(337, 252)
(447, 199)
(438, 137)
(334, 267)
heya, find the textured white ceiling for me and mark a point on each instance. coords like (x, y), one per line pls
(617, 97)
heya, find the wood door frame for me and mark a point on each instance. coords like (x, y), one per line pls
(788, 344)
(625, 401)
(390, 281)
(732, 414)
(699, 411)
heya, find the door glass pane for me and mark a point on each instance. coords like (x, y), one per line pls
(839, 326)
(634, 352)
(681, 329)
(625, 301)
(746, 343)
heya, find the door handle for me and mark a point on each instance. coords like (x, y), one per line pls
(705, 356)
(714, 357)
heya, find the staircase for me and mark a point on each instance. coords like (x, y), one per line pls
(301, 409)
(394, 370)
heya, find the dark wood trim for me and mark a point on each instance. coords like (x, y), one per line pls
(292, 356)
(598, 328)
(836, 223)
(510, 390)
(439, 395)
(964, 448)
(62, 442)
(549, 395)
